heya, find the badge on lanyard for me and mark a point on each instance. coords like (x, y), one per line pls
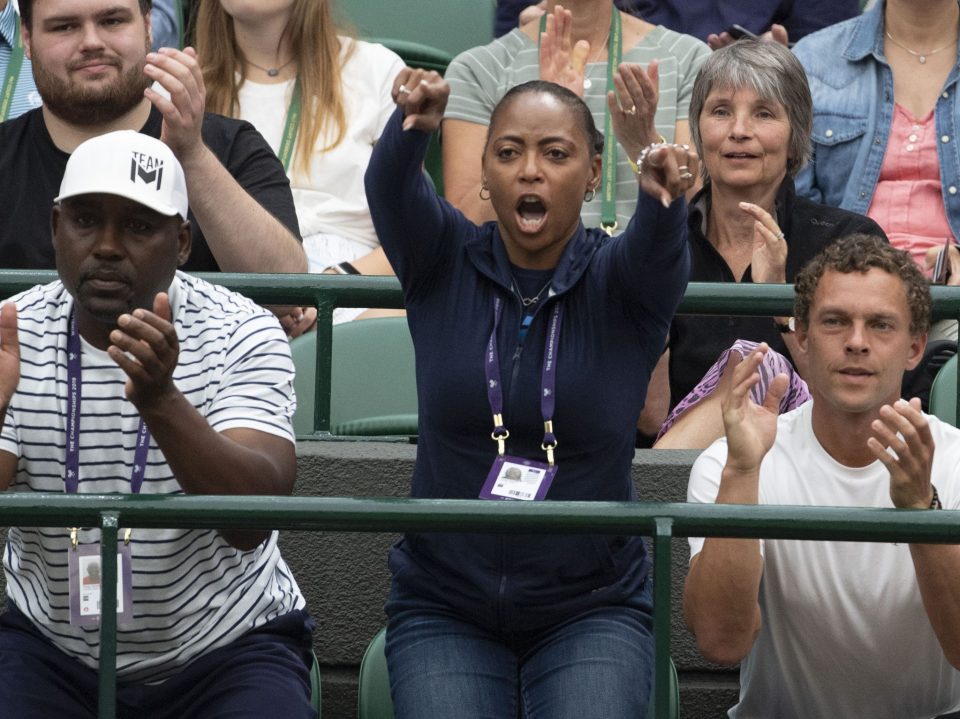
(517, 477)
(86, 585)
(85, 572)
(514, 478)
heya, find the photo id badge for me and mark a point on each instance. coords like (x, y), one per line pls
(516, 478)
(86, 579)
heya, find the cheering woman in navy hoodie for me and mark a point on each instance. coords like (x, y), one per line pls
(535, 339)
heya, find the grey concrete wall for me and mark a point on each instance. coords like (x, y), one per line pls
(345, 579)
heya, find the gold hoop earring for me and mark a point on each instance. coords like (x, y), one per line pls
(590, 194)
(483, 188)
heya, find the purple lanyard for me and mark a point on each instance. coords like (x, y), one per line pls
(72, 463)
(548, 381)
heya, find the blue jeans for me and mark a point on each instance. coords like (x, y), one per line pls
(597, 664)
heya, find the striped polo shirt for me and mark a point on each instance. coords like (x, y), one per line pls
(192, 591)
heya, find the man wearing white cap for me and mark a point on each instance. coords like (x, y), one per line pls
(94, 71)
(128, 376)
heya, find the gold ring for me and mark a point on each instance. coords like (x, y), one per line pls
(631, 111)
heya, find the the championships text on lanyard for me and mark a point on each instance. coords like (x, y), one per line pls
(72, 464)
(83, 581)
(291, 126)
(518, 477)
(608, 186)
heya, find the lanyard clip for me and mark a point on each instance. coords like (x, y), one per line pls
(549, 441)
(126, 535)
(73, 538)
(499, 434)
(609, 228)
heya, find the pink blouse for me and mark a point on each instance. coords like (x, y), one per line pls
(907, 202)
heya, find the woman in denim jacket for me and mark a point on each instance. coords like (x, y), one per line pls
(885, 102)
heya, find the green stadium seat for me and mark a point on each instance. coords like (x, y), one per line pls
(373, 689)
(943, 393)
(374, 389)
(416, 54)
(452, 25)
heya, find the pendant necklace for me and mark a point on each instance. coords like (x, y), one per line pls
(921, 56)
(587, 83)
(271, 71)
(527, 301)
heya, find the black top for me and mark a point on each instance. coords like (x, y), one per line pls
(696, 341)
(32, 167)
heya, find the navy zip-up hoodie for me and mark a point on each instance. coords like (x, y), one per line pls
(619, 296)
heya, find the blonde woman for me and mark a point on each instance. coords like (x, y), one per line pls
(255, 54)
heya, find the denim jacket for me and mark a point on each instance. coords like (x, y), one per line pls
(852, 87)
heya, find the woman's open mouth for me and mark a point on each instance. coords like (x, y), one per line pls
(531, 213)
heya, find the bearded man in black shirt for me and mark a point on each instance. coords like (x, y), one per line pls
(95, 72)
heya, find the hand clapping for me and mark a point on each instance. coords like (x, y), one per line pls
(146, 348)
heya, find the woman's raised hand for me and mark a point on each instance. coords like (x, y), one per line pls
(561, 60)
(633, 106)
(769, 260)
(422, 95)
(666, 171)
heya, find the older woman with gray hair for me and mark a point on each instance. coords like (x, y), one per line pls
(750, 118)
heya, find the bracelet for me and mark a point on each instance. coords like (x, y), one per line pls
(935, 502)
(344, 268)
(635, 166)
(652, 147)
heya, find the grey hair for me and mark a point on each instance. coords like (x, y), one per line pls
(775, 74)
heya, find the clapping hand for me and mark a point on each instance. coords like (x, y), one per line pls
(146, 348)
(769, 260)
(634, 105)
(561, 60)
(178, 72)
(776, 33)
(903, 443)
(750, 428)
(9, 354)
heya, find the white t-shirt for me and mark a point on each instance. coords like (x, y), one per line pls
(192, 591)
(844, 630)
(331, 203)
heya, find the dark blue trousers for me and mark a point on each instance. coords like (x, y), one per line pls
(264, 674)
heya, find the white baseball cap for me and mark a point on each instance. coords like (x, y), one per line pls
(128, 164)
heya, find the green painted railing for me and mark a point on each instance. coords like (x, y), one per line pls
(327, 292)
(662, 521)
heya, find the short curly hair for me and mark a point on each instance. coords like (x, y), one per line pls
(859, 253)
